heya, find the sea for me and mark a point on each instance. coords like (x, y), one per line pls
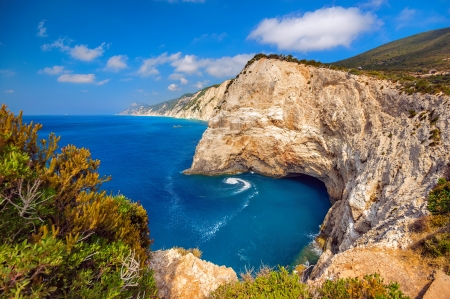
(243, 221)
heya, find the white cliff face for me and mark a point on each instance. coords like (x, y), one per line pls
(354, 133)
(200, 105)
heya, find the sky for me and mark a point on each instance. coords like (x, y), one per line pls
(97, 57)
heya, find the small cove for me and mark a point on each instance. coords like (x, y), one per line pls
(240, 221)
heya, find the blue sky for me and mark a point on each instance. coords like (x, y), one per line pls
(97, 57)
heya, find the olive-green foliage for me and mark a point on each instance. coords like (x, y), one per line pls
(60, 237)
(439, 198)
(281, 284)
(195, 251)
(274, 284)
(370, 287)
(435, 245)
(288, 58)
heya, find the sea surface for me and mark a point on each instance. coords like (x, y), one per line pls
(241, 221)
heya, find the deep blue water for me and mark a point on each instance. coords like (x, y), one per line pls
(238, 221)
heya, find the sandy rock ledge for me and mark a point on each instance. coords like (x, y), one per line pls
(179, 277)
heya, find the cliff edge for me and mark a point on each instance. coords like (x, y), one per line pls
(378, 151)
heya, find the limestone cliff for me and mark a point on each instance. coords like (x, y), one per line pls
(199, 105)
(184, 276)
(378, 151)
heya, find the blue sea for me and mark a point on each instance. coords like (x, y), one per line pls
(240, 221)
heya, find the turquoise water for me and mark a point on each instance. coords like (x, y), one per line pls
(239, 221)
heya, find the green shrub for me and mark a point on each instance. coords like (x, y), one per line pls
(439, 198)
(281, 284)
(60, 237)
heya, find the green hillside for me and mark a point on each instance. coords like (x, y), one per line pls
(424, 51)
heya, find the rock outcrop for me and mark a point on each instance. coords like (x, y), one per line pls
(200, 105)
(185, 276)
(378, 151)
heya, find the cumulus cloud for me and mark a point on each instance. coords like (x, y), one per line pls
(116, 63)
(55, 70)
(201, 84)
(173, 87)
(42, 31)
(9, 91)
(7, 73)
(180, 77)
(322, 29)
(148, 66)
(80, 52)
(103, 82)
(217, 67)
(77, 78)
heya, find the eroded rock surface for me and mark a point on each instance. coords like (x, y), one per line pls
(378, 151)
(200, 105)
(187, 277)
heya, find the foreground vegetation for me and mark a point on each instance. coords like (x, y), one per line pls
(281, 284)
(60, 236)
(434, 231)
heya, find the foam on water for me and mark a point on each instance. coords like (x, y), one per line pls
(235, 181)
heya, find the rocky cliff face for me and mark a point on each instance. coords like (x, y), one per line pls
(378, 151)
(200, 105)
(186, 277)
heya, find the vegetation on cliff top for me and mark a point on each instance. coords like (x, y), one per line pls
(60, 236)
(424, 51)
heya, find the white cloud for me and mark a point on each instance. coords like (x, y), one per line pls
(217, 67)
(173, 87)
(148, 65)
(126, 79)
(7, 73)
(140, 90)
(201, 84)
(55, 70)
(77, 78)
(213, 36)
(103, 82)
(116, 63)
(61, 44)
(405, 17)
(180, 77)
(42, 31)
(80, 52)
(9, 91)
(373, 4)
(322, 29)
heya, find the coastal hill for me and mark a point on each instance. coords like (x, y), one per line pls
(424, 51)
(200, 105)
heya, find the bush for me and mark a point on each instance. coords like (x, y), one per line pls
(439, 198)
(60, 237)
(281, 284)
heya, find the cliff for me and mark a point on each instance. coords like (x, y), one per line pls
(378, 151)
(200, 105)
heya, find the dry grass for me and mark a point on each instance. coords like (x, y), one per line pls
(195, 251)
